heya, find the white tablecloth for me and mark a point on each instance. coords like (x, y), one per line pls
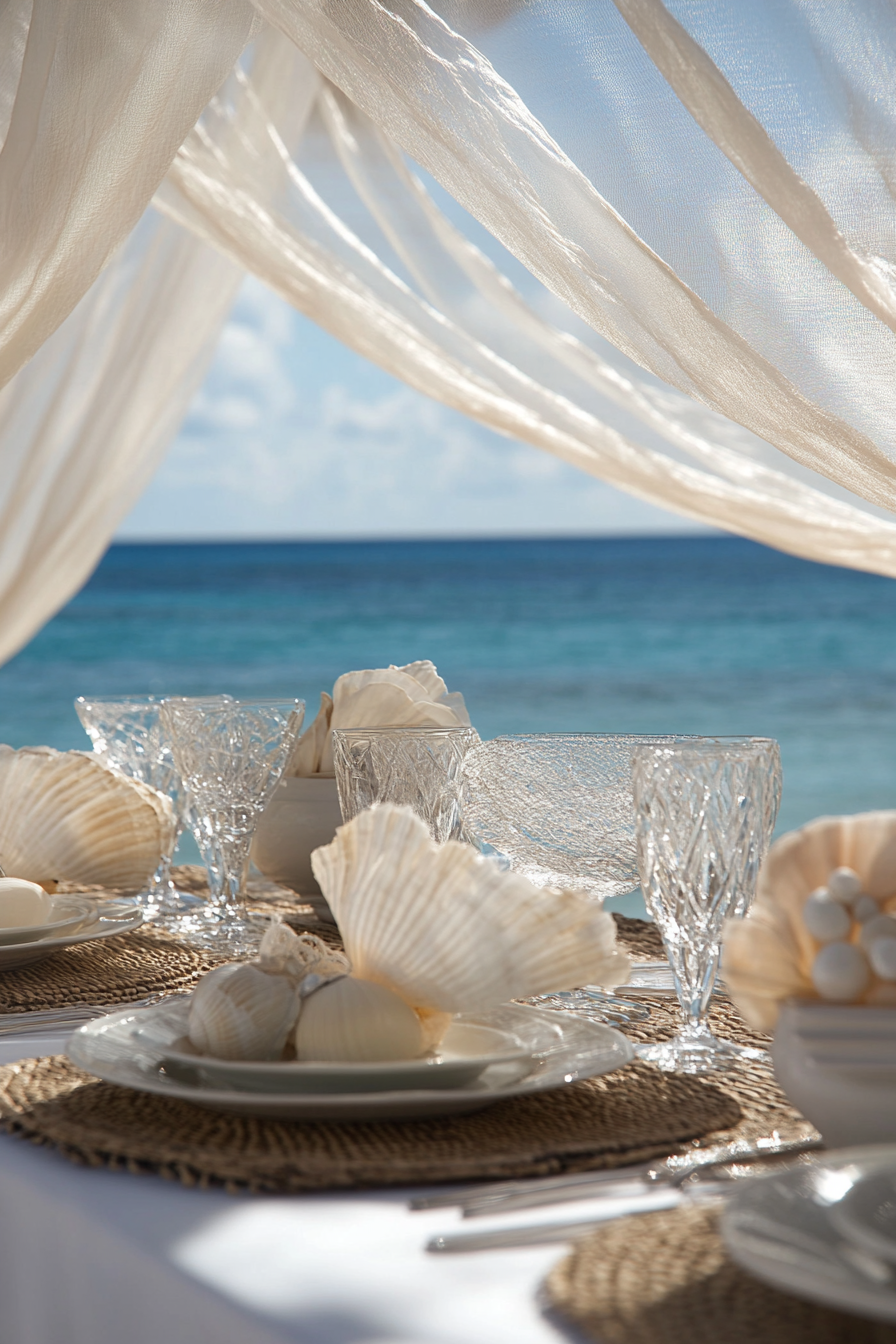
(100, 1257)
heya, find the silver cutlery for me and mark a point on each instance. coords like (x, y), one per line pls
(75, 1015)
(477, 1201)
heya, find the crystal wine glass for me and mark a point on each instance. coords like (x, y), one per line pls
(128, 736)
(418, 767)
(705, 815)
(230, 756)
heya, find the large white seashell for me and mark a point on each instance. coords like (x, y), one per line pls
(63, 815)
(356, 1020)
(447, 928)
(240, 1012)
(769, 955)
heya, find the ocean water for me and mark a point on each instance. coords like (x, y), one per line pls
(698, 635)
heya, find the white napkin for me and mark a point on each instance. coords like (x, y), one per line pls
(413, 696)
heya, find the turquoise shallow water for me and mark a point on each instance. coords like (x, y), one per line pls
(703, 635)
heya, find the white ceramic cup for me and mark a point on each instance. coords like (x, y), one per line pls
(302, 815)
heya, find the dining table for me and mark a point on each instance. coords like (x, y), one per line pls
(94, 1256)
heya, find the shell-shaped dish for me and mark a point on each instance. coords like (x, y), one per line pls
(63, 815)
(769, 955)
(447, 928)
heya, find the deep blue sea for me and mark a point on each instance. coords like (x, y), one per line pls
(702, 635)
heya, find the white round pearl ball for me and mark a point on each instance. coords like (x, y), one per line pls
(882, 926)
(865, 908)
(826, 920)
(844, 884)
(840, 972)
(882, 955)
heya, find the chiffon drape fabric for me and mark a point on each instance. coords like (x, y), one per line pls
(671, 261)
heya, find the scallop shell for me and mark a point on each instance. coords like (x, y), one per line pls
(64, 815)
(448, 929)
(238, 1011)
(768, 956)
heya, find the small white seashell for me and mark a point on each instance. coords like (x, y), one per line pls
(865, 908)
(840, 972)
(356, 1020)
(64, 815)
(844, 884)
(22, 903)
(882, 926)
(447, 928)
(239, 1012)
(827, 920)
(882, 955)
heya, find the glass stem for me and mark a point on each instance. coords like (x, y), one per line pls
(694, 971)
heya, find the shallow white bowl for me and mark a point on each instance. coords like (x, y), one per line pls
(467, 1051)
(302, 815)
(837, 1064)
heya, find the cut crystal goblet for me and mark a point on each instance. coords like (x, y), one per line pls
(705, 815)
(420, 768)
(127, 735)
(230, 755)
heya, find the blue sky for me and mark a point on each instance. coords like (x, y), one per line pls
(294, 435)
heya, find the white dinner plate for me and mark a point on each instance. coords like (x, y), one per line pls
(113, 917)
(789, 1230)
(467, 1050)
(866, 1214)
(559, 1049)
(66, 912)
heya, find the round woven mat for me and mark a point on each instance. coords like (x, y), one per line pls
(627, 1116)
(665, 1278)
(124, 969)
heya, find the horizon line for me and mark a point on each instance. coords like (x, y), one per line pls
(367, 539)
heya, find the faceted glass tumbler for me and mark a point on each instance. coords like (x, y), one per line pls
(128, 736)
(420, 768)
(558, 807)
(230, 755)
(705, 815)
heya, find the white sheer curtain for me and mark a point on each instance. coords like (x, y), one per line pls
(707, 193)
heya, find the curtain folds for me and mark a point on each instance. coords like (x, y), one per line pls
(672, 261)
(462, 334)
(105, 91)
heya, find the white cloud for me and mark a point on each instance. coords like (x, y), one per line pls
(294, 435)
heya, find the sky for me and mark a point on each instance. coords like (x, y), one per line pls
(294, 435)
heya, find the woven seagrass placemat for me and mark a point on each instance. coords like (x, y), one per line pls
(633, 1114)
(666, 1278)
(625, 1117)
(123, 969)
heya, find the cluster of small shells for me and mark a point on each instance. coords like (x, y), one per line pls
(429, 930)
(857, 941)
(823, 925)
